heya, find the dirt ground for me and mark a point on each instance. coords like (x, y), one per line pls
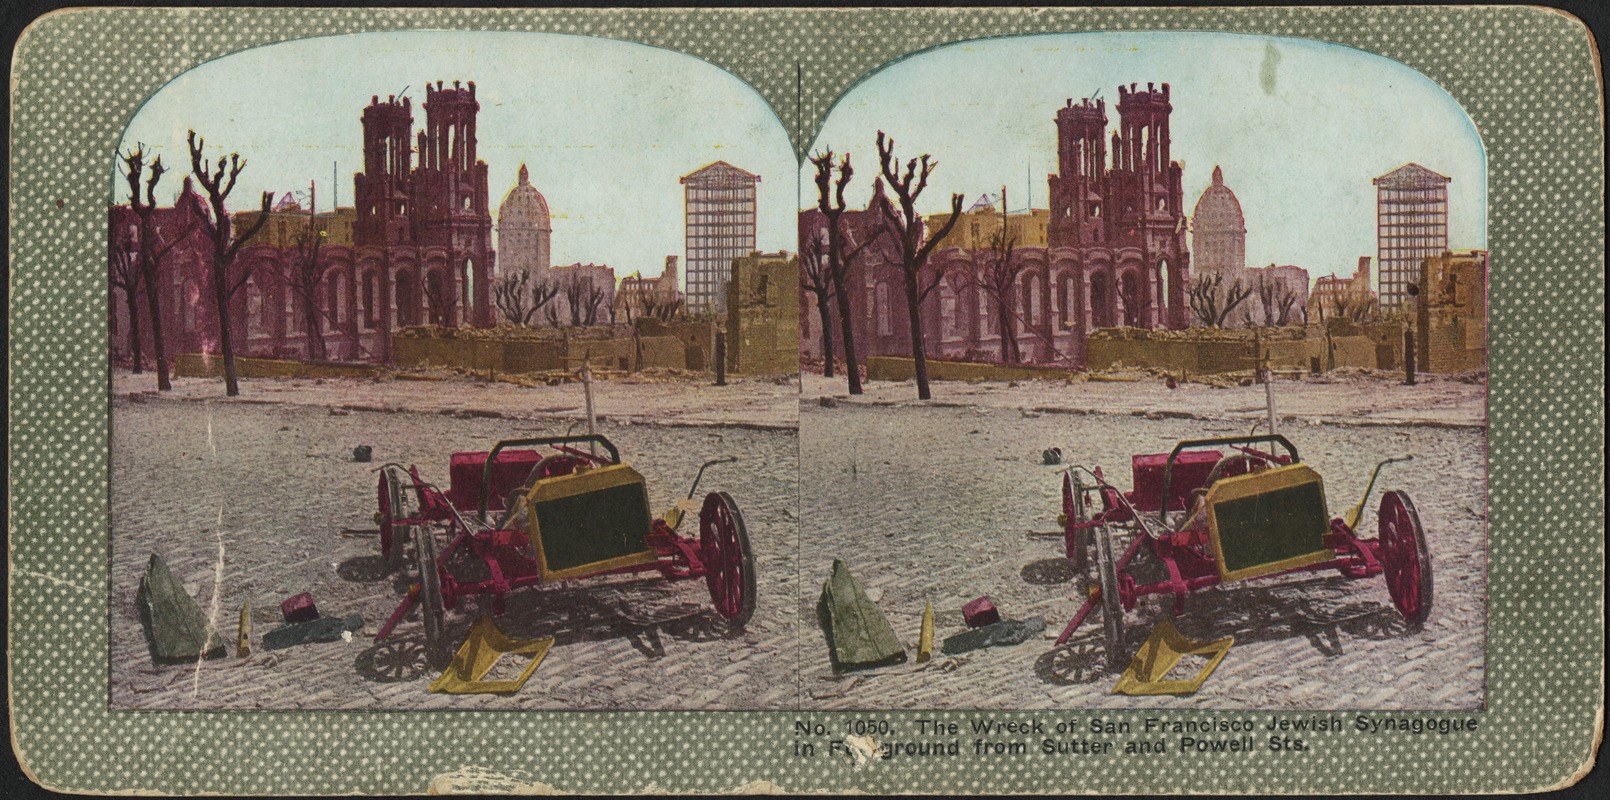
(247, 503)
(248, 500)
(939, 503)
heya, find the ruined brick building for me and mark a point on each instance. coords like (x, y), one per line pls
(1451, 312)
(420, 248)
(1337, 296)
(1115, 250)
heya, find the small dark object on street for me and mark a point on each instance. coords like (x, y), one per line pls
(1051, 456)
(858, 635)
(981, 612)
(1170, 382)
(1005, 632)
(827, 401)
(299, 608)
(324, 629)
(363, 454)
(174, 624)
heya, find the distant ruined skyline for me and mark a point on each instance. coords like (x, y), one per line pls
(606, 129)
(1300, 128)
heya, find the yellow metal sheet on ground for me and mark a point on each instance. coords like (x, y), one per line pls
(481, 651)
(1161, 652)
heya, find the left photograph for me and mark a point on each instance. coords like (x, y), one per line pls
(453, 370)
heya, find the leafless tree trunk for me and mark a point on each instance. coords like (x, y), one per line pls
(906, 227)
(151, 251)
(662, 308)
(1276, 298)
(814, 276)
(307, 277)
(600, 298)
(125, 275)
(592, 297)
(226, 243)
(520, 300)
(509, 295)
(1212, 303)
(830, 200)
(1000, 281)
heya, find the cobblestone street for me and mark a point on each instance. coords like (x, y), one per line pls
(937, 503)
(248, 499)
(247, 502)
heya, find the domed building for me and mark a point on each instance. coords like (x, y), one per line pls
(1218, 231)
(524, 231)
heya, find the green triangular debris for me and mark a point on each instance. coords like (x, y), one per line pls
(858, 635)
(174, 624)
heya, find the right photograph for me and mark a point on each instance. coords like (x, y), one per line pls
(1144, 370)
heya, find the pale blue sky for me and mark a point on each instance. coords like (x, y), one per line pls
(605, 127)
(1299, 127)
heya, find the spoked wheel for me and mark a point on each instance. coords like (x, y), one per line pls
(729, 566)
(392, 535)
(1074, 511)
(431, 605)
(1112, 606)
(1405, 558)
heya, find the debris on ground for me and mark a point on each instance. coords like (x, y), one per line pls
(481, 652)
(1051, 457)
(1004, 632)
(1164, 649)
(323, 629)
(980, 612)
(925, 637)
(174, 624)
(363, 453)
(299, 608)
(243, 634)
(858, 634)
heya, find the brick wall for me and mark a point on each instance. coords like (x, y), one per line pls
(763, 315)
(540, 355)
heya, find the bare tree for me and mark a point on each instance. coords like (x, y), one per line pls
(226, 243)
(151, 252)
(816, 277)
(510, 296)
(307, 277)
(1354, 308)
(520, 299)
(574, 289)
(125, 276)
(830, 201)
(1276, 298)
(662, 308)
(999, 281)
(906, 227)
(583, 296)
(1212, 302)
(593, 297)
(436, 299)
